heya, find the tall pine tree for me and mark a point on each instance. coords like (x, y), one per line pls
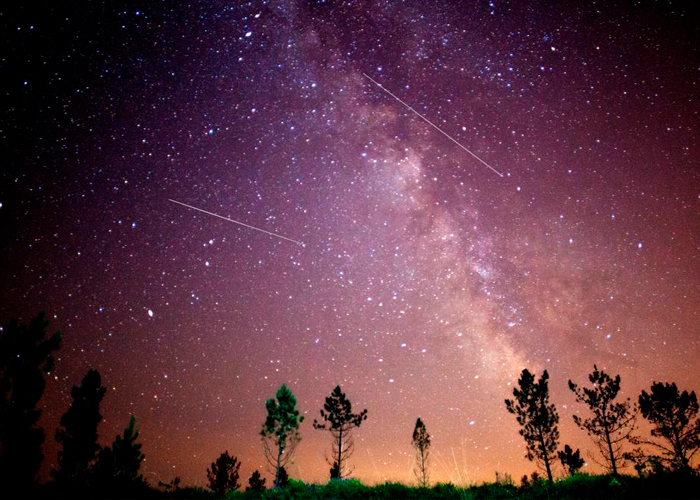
(78, 432)
(25, 358)
(280, 432)
(421, 443)
(674, 419)
(339, 422)
(612, 422)
(537, 418)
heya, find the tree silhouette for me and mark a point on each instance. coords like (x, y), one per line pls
(537, 418)
(612, 422)
(78, 432)
(223, 474)
(526, 481)
(335, 471)
(571, 460)
(255, 482)
(674, 417)
(25, 357)
(173, 487)
(339, 421)
(280, 432)
(117, 467)
(421, 443)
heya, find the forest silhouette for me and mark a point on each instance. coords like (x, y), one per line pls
(663, 462)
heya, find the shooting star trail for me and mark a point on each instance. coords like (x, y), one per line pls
(431, 124)
(238, 222)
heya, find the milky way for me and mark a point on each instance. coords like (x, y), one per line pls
(426, 283)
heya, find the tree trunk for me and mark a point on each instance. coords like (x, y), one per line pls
(545, 457)
(549, 469)
(340, 454)
(280, 451)
(610, 450)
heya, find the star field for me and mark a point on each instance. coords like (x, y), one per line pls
(426, 282)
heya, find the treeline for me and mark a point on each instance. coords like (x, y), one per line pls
(611, 424)
(84, 468)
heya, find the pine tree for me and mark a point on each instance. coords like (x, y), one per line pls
(223, 474)
(674, 417)
(571, 460)
(25, 358)
(255, 482)
(537, 418)
(612, 423)
(340, 421)
(421, 443)
(78, 432)
(280, 432)
(117, 467)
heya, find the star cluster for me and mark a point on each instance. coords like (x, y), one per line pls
(426, 282)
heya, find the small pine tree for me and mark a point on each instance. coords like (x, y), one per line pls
(256, 482)
(421, 443)
(537, 418)
(340, 421)
(571, 460)
(25, 358)
(612, 423)
(117, 467)
(78, 432)
(280, 432)
(127, 453)
(223, 474)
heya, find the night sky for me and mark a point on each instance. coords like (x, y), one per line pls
(426, 281)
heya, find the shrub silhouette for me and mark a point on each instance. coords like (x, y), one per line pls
(256, 482)
(223, 474)
(571, 460)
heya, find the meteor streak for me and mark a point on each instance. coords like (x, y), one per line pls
(238, 222)
(431, 124)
